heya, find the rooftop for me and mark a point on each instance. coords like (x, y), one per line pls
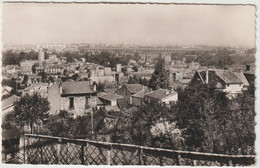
(81, 87)
(9, 102)
(161, 93)
(134, 88)
(140, 94)
(228, 76)
(110, 96)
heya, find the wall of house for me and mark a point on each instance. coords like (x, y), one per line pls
(55, 99)
(173, 98)
(123, 91)
(136, 101)
(233, 88)
(79, 104)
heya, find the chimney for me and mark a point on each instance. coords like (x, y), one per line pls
(207, 77)
(94, 86)
(60, 86)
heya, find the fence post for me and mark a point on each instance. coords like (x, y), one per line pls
(24, 149)
(41, 153)
(87, 157)
(140, 150)
(58, 151)
(108, 157)
(178, 158)
(82, 154)
(194, 162)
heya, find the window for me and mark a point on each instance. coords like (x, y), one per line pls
(71, 103)
(87, 104)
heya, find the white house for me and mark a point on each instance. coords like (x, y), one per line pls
(162, 96)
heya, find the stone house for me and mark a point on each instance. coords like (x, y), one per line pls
(78, 98)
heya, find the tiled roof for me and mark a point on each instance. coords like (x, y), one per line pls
(9, 102)
(160, 93)
(110, 90)
(134, 88)
(140, 94)
(112, 108)
(110, 96)
(228, 77)
(243, 78)
(82, 87)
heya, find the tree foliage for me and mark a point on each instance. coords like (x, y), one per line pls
(30, 110)
(159, 78)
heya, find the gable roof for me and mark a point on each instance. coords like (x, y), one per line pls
(161, 94)
(110, 96)
(9, 102)
(140, 94)
(7, 88)
(134, 88)
(72, 88)
(228, 77)
(243, 78)
(108, 90)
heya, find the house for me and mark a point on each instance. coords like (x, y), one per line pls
(110, 101)
(8, 105)
(138, 98)
(162, 96)
(41, 88)
(78, 98)
(183, 83)
(224, 80)
(128, 90)
(32, 78)
(243, 79)
(109, 98)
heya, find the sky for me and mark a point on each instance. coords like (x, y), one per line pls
(48, 23)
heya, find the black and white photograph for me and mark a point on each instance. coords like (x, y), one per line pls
(110, 83)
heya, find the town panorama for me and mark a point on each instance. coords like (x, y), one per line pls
(187, 98)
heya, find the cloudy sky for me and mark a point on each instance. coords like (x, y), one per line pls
(25, 23)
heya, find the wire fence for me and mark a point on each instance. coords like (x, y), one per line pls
(41, 149)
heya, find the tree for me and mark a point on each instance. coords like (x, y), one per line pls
(51, 79)
(25, 79)
(31, 110)
(34, 68)
(159, 78)
(135, 68)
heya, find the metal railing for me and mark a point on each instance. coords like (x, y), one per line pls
(41, 149)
